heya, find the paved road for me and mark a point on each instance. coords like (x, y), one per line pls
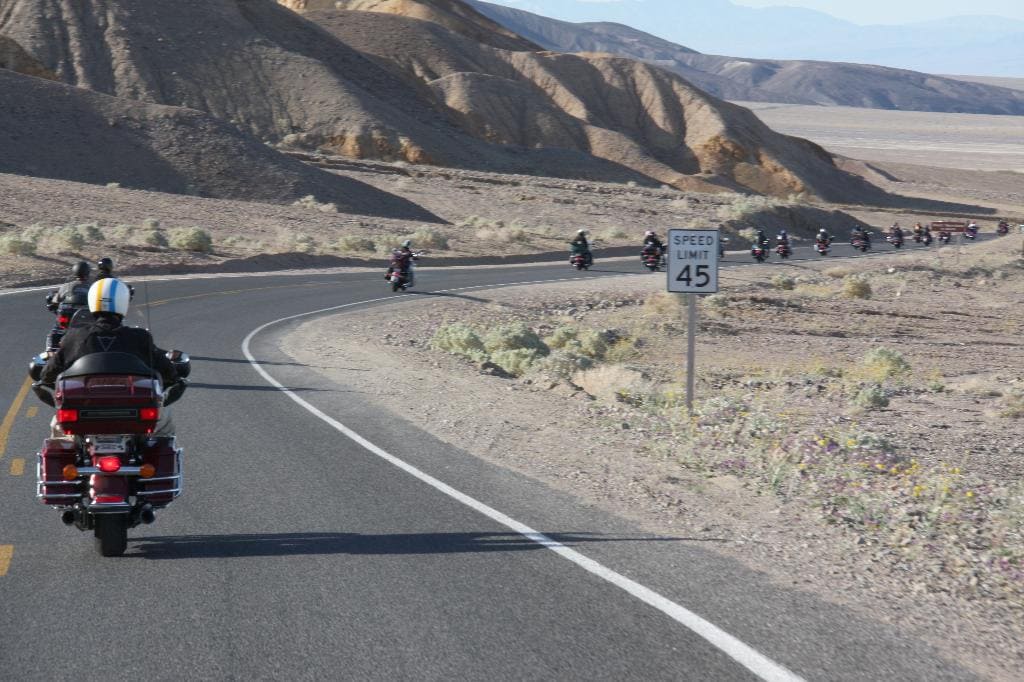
(297, 553)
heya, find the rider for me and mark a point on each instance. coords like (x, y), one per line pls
(581, 245)
(859, 234)
(760, 239)
(108, 303)
(972, 228)
(823, 237)
(104, 268)
(919, 230)
(651, 240)
(401, 260)
(896, 232)
(76, 287)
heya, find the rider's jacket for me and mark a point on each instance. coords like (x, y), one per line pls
(106, 334)
(69, 290)
(654, 241)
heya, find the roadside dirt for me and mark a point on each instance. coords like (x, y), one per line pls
(794, 357)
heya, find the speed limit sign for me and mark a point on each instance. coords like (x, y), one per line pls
(693, 261)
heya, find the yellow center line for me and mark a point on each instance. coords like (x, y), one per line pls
(6, 552)
(227, 293)
(8, 422)
(17, 466)
(31, 412)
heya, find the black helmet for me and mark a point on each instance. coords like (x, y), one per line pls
(106, 266)
(81, 270)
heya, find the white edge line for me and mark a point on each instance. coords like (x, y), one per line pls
(742, 653)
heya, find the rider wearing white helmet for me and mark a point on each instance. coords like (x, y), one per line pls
(108, 303)
(105, 333)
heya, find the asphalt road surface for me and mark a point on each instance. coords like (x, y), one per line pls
(299, 553)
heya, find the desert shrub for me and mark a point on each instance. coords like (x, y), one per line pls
(784, 282)
(744, 205)
(715, 301)
(151, 224)
(514, 336)
(113, 185)
(622, 350)
(303, 243)
(837, 272)
(350, 242)
(1013, 404)
(426, 238)
(590, 343)
(516, 361)
(664, 304)
(310, 202)
(871, 396)
(510, 235)
(17, 246)
(70, 238)
(154, 236)
(91, 232)
(614, 233)
(885, 363)
(193, 239)
(856, 286)
(459, 339)
(562, 364)
(561, 337)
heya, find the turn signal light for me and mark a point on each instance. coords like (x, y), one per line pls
(149, 414)
(147, 471)
(67, 416)
(109, 465)
(70, 472)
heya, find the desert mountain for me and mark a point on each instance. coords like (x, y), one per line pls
(57, 131)
(454, 15)
(618, 109)
(767, 80)
(385, 85)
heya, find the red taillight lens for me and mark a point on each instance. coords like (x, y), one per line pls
(149, 414)
(67, 416)
(109, 499)
(63, 320)
(108, 465)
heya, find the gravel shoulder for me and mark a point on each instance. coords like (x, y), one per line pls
(792, 356)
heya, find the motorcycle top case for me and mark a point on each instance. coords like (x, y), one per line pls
(108, 404)
(56, 454)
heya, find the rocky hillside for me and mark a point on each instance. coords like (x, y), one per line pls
(14, 58)
(622, 110)
(57, 131)
(440, 90)
(767, 80)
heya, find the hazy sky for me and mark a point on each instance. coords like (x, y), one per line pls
(900, 11)
(859, 11)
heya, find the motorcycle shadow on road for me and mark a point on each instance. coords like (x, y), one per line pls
(305, 544)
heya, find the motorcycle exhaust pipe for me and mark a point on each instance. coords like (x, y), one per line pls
(147, 515)
(67, 517)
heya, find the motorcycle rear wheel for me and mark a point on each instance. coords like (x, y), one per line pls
(111, 535)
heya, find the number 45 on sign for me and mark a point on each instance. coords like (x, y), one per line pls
(693, 261)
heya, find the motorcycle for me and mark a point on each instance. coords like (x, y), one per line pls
(783, 251)
(721, 247)
(111, 471)
(861, 243)
(581, 261)
(65, 312)
(944, 237)
(652, 258)
(400, 279)
(971, 232)
(927, 239)
(1003, 228)
(822, 247)
(895, 240)
(759, 253)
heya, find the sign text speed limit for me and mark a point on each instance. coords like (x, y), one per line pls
(693, 261)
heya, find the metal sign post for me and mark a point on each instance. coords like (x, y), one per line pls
(692, 270)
